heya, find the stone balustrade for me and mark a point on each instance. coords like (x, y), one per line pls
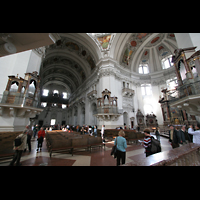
(187, 155)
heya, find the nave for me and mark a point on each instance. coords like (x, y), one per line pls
(134, 153)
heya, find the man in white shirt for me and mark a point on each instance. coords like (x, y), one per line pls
(196, 134)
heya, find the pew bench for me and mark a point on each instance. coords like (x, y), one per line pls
(6, 147)
(96, 142)
(57, 145)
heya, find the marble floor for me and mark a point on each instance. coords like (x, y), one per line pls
(97, 157)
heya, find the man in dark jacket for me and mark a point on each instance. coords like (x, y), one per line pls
(182, 135)
(29, 133)
(174, 137)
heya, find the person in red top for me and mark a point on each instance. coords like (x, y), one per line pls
(40, 139)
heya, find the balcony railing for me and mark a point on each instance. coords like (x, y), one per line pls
(184, 91)
(18, 99)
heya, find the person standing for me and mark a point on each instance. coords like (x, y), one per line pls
(196, 134)
(29, 133)
(40, 139)
(121, 147)
(22, 139)
(138, 128)
(174, 137)
(157, 133)
(95, 131)
(82, 130)
(35, 130)
(147, 142)
(102, 132)
(182, 135)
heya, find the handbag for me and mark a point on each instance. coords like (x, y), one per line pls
(114, 150)
(155, 145)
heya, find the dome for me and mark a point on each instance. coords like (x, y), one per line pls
(143, 48)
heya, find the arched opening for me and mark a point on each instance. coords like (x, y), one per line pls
(31, 88)
(181, 68)
(125, 119)
(14, 86)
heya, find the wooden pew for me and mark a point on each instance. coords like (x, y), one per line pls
(57, 144)
(6, 141)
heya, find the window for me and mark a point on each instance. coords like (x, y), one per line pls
(44, 104)
(181, 68)
(167, 62)
(146, 89)
(45, 92)
(23, 89)
(194, 71)
(64, 106)
(143, 69)
(53, 122)
(148, 109)
(55, 92)
(31, 89)
(14, 87)
(64, 95)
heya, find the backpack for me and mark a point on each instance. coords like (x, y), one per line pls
(155, 145)
(18, 141)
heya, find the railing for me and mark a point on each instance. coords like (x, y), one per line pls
(107, 109)
(186, 155)
(17, 99)
(183, 91)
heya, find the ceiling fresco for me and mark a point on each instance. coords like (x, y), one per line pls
(161, 42)
(133, 44)
(60, 63)
(73, 58)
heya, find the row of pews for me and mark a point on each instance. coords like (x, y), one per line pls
(61, 141)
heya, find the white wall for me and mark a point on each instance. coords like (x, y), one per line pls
(34, 62)
(185, 40)
(18, 63)
(195, 37)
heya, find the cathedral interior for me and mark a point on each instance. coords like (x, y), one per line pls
(127, 80)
